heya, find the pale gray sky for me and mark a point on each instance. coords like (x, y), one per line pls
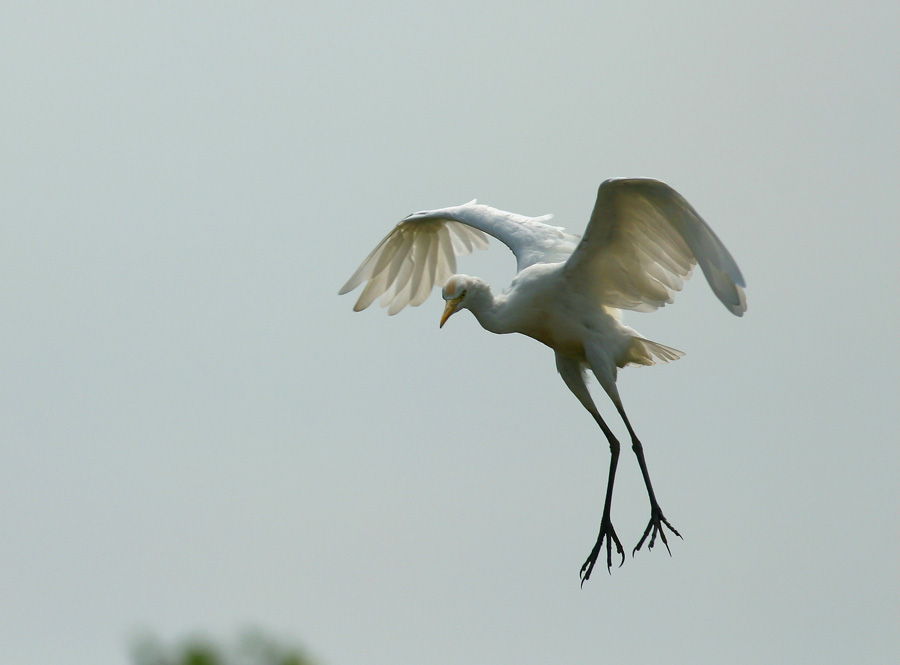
(197, 434)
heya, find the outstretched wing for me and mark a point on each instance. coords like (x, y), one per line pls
(421, 251)
(642, 242)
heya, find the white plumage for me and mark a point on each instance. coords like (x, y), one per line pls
(641, 243)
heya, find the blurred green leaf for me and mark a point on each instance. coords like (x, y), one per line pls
(253, 648)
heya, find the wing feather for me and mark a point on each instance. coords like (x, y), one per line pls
(431, 270)
(398, 292)
(642, 243)
(421, 251)
(421, 272)
(446, 262)
(385, 276)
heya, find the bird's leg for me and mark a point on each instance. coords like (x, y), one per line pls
(657, 519)
(570, 369)
(607, 531)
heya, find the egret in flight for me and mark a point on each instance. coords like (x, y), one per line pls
(642, 241)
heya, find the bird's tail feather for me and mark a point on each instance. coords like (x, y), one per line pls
(643, 352)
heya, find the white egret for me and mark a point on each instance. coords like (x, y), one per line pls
(642, 241)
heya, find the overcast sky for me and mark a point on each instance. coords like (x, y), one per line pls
(199, 435)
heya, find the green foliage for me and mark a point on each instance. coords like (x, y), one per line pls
(253, 648)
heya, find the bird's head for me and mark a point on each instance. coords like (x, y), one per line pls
(457, 292)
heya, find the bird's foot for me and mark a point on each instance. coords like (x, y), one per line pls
(609, 534)
(654, 528)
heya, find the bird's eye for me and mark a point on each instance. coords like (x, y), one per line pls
(463, 294)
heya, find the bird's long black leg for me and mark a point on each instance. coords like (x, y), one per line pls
(571, 371)
(607, 532)
(657, 519)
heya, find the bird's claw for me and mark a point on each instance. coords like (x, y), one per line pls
(654, 528)
(609, 534)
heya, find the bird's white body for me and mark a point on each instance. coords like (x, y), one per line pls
(642, 241)
(538, 304)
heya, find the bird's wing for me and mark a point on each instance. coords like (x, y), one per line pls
(642, 242)
(421, 251)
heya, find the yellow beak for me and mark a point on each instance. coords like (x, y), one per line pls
(449, 310)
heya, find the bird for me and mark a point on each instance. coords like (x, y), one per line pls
(641, 243)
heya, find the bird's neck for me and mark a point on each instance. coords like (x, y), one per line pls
(488, 309)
